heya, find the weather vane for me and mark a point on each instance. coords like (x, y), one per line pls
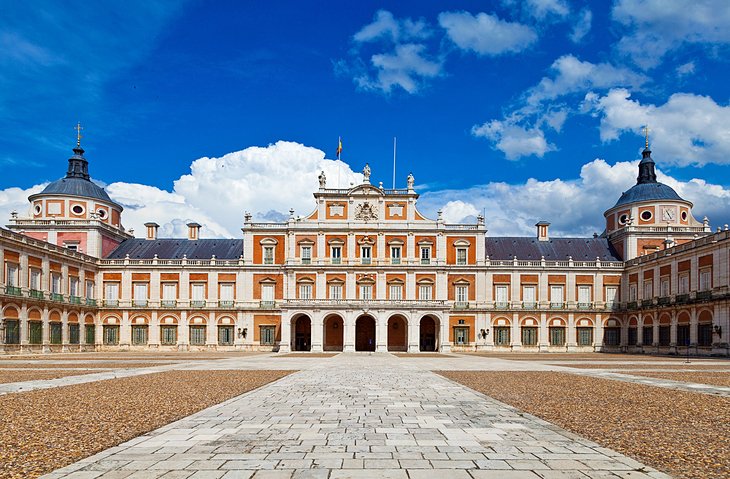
(78, 129)
(646, 135)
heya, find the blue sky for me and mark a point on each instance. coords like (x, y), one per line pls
(516, 109)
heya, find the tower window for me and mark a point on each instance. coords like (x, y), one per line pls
(623, 219)
(646, 215)
(77, 209)
(101, 214)
(684, 216)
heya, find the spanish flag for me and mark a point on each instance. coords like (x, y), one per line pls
(339, 147)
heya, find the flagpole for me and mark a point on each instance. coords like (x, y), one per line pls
(394, 145)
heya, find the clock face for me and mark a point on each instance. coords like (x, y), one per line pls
(668, 214)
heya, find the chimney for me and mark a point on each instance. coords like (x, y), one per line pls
(151, 230)
(193, 231)
(542, 231)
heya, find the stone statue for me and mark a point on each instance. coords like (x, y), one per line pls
(410, 181)
(322, 180)
(366, 173)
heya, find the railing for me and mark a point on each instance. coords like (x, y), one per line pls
(57, 297)
(501, 304)
(664, 301)
(267, 304)
(703, 295)
(139, 303)
(225, 303)
(529, 305)
(197, 303)
(111, 303)
(632, 305)
(74, 299)
(647, 303)
(554, 305)
(366, 261)
(91, 302)
(13, 291)
(306, 260)
(336, 261)
(168, 303)
(461, 305)
(681, 298)
(425, 261)
(399, 303)
(36, 294)
(585, 305)
(394, 260)
(690, 245)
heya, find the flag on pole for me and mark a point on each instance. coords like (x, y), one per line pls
(339, 146)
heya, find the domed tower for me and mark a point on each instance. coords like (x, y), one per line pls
(74, 212)
(650, 215)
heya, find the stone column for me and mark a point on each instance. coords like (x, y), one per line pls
(64, 331)
(381, 332)
(285, 344)
(414, 330)
(444, 335)
(317, 332)
(349, 332)
(571, 341)
(516, 338)
(543, 342)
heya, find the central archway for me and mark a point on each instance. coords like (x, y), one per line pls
(365, 333)
(397, 333)
(428, 334)
(302, 333)
(334, 328)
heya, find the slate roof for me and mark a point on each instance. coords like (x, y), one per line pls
(76, 187)
(556, 249)
(647, 192)
(176, 248)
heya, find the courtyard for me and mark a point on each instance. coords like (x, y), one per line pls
(352, 415)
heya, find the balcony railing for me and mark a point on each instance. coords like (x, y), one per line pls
(704, 295)
(425, 261)
(225, 303)
(139, 303)
(647, 303)
(554, 305)
(197, 303)
(394, 260)
(168, 303)
(682, 298)
(336, 261)
(57, 297)
(267, 304)
(585, 305)
(461, 305)
(366, 260)
(111, 303)
(664, 301)
(632, 305)
(306, 260)
(501, 304)
(74, 299)
(13, 290)
(36, 294)
(91, 302)
(529, 305)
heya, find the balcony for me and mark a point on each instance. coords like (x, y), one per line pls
(682, 298)
(197, 303)
(306, 260)
(557, 305)
(394, 260)
(585, 305)
(225, 303)
(91, 302)
(267, 304)
(647, 303)
(36, 294)
(425, 261)
(366, 260)
(501, 304)
(111, 303)
(74, 299)
(461, 305)
(632, 305)
(336, 261)
(139, 303)
(168, 303)
(529, 305)
(703, 295)
(13, 291)
(664, 301)
(58, 297)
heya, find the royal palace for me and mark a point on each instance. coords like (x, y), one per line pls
(364, 271)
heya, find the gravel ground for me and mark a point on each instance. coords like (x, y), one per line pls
(571, 356)
(645, 366)
(682, 433)
(84, 365)
(423, 355)
(714, 379)
(134, 356)
(307, 355)
(18, 376)
(52, 428)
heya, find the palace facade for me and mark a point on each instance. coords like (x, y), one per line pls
(365, 271)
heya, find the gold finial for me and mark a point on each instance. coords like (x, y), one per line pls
(78, 129)
(646, 135)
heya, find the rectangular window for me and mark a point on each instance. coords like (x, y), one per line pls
(584, 295)
(425, 255)
(35, 279)
(461, 336)
(425, 292)
(529, 336)
(460, 256)
(111, 294)
(501, 292)
(648, 334)
(268, 255)
(632, 292)
(56, 283)
(704, 335)
(396, 292)
(111, 335)
(395, 255)
(35, 332)
(168, 335)
(139, 335)
(501, 336)
(683, 335)
(73, 333)
(225, 335)
(585, 336)
(336, 254)
(55, 333)
(556, 296)
(611, 295)
(366, 254)
(89, 289)
(227, 294)
(336, 291)
(528, 296)
(197, 335)
(12, 275)
(140, 294)
(366, 292)
(169, 291)
(73, 286)
(306, 255)
(12, 331)
(462, 293)
(89, 334)
(268, 335)
(684, 284)
(557, 336)
(648, 289)
(197, 291)
(705, 279)
(664, 287)
(612, 336)
(267, 293)
(633, 336)
(305, 291)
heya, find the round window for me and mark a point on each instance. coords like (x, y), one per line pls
(77, 209)
(37, 209)
(101, 214)
(623, 219)
(646, 215)
(684, 216)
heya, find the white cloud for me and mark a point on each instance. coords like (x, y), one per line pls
(386, 26)
(513, 140)
(582, 26)
(543, 8)
(456, 211)
(407, 67)
(687, 130)
(656, 27)
(16, 199)
(486, 34)
(686, 69)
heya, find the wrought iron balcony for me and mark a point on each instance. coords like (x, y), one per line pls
(461, 305)
(168, 303)
(197, 303)
(111, 303)
(647, 303)
(529, 305)
(664, 301)
(139, 303)
(225, 303)
(267, 304)
(585, 305)
(13, 290)
(74, 299)
(554, 305)
(682, 298)
(90, 302)
(704, 295)
(57, 297)
(501, 304)
(36, 294)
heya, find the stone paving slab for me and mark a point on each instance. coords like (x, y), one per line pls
(356, 418)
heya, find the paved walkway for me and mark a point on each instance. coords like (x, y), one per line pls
(359, 417)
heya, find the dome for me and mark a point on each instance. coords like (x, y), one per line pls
(76, 187)
(648, 192)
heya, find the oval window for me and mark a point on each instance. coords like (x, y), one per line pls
(77, 209)
(37, 209)
(684, 216)
(101, 214)
(623, 219)
(646, 215)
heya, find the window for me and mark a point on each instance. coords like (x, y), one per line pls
(395, 254)
(425, 255)
(584, 296)
(12, 275)
(585, 336)
(557, 336)
(139, 334)
(683, 335)
(89, 289)
(111, 335)
(197, 294)
(460, 256)
(168, 335)
(664, 287)
(56, 283)
(528, 296)
(111, 294)
(336, 291)
(268, 335)
(35, 332)
(90, 334)
(55, 333)
(73, 286)
(35, 279)
(425, 292)
(648, 289)
(169, 294)
(306, 254)
(705, 279)
(462, 293)
(366, 292)
(225, 335)
(501, 292)
(529, 336)
(12, 331)
(305, 291)
(336, 254)
(366, 254)
(71, 246)
(684, 284)
(461, 335)
(501, 336)
(612, 336)
(611, 295)
(268, 255)
(648, 335)
(704, 335)
(396, 292)
(665, 333)
(140, 294)
(633, 336)
(632, 292)
(226, 294)
(556, 296)
(197, 335)
(267, 293)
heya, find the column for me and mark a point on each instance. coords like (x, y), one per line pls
(516, 338)
(381, 332)
(414, 331)
(183, 339)
(23, 325)
(153, 331)
(285, 344)
(211, 331)
(349, 332)
(673, 333)
(64, 331)
(542, 340)
(693, 325)
(444, 335)
(46, 348)
(317, 336)
(571, 340)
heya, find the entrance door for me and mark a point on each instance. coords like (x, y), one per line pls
(428, 334)
(302, 334)
(365, 334)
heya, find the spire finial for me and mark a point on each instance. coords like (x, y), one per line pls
(78, 129)
(646, 136)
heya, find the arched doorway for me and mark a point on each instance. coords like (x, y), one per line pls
(302, 333)
(365, 333)
(428, 337)
(334, 328)
(397, 333)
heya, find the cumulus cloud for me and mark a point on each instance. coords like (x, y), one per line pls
(16, 199)
(656, 27)
(687, 130)
(486, 34)
(544, 8)
(513, 140)
(582, 26)
(407, 67)
(385, 25)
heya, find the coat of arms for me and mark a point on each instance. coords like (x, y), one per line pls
(366, 212)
